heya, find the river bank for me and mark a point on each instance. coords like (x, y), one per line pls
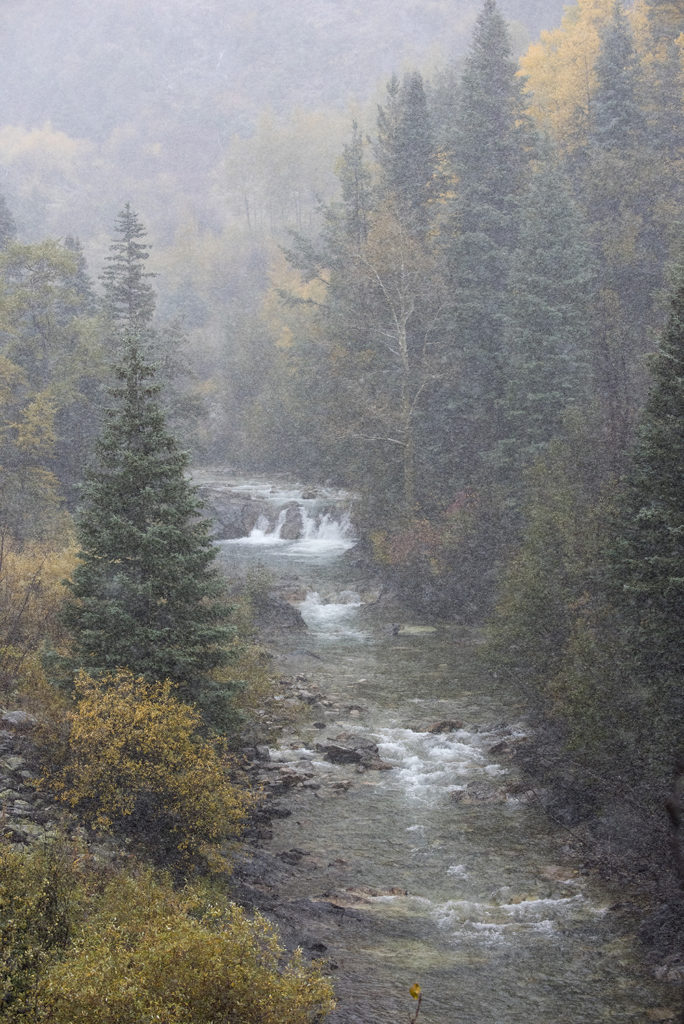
(271, 876)
(440, 868)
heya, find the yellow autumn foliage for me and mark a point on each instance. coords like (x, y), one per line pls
(38, 901)
(137, 765)
(150, 953)
(559, 72)
(31, 596)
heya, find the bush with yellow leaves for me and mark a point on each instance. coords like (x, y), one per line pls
(136, 764)
(38, 904)
(31, 596)
(147, 952)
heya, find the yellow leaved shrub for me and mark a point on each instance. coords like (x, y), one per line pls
(150, 953)
(137, 764)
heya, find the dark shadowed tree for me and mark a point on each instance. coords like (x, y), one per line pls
(145, 595)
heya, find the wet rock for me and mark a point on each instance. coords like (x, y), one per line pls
(358, 895)
(272, 612)
(339, 755)
(25, 830)
(293, 856)
(13, 762)
(232, 518)
(18, 720)
(446, 725)
(409, 630)
(557, 873)
(500, 748)
(308, 697)
(9, 795)
(478, 792)
(292, 526)
(671, 970)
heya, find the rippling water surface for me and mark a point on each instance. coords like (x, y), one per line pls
(449, 876)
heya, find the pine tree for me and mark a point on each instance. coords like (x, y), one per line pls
(355, 183)
(129, 298)
(619, 189)
(650, 567)
(8, 227)
(549, 331)
(145, 594)
(491, 168)
(405, 150)
(618, 119)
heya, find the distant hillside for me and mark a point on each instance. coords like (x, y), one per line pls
(185, 106)
(211, 65)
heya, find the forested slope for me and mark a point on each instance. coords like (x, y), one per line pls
(465, 306)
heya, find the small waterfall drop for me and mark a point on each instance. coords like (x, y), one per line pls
(320, 534)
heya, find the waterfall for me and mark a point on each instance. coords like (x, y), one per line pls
(320, 534)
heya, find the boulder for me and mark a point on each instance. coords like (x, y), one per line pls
(18, 720)
(341, 755)
(272, 612)
(446, 725)
(232, 519)
(363, 754)
(292, 526)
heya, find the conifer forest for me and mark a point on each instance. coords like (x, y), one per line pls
(341, 512)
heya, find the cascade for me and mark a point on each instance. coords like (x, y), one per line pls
(437, 867)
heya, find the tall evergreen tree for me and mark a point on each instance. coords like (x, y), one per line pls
(405, 150)
(550, 335)
(145, 594)
(8, 227)
(491, 168)
(355, 183)
(616, 185)
(650, 565)
(129, 297)
(618, 118)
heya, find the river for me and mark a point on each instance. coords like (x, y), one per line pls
(441, 869)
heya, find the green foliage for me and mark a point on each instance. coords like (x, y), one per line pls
(38, 908)
(80, 944)
(129, 298)
(650, 557)
(552, 574)
(147, 952)
(30, 506)
(589, 620)
(50, 336)
(31, 598)
(618, 118)
(405, 150)
(145, 593)
(136, 764)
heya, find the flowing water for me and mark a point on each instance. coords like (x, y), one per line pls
(450, 875)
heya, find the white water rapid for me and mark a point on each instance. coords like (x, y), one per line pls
(432, 864)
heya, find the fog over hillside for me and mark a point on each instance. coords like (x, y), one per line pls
(106, 100)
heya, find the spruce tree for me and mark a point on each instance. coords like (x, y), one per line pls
(618, 119)
(145, 595)
(405, 150)
(549, 336)
(650, 565)
(491, 168)
(355, 184)
(8, 228)
(129, 298)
